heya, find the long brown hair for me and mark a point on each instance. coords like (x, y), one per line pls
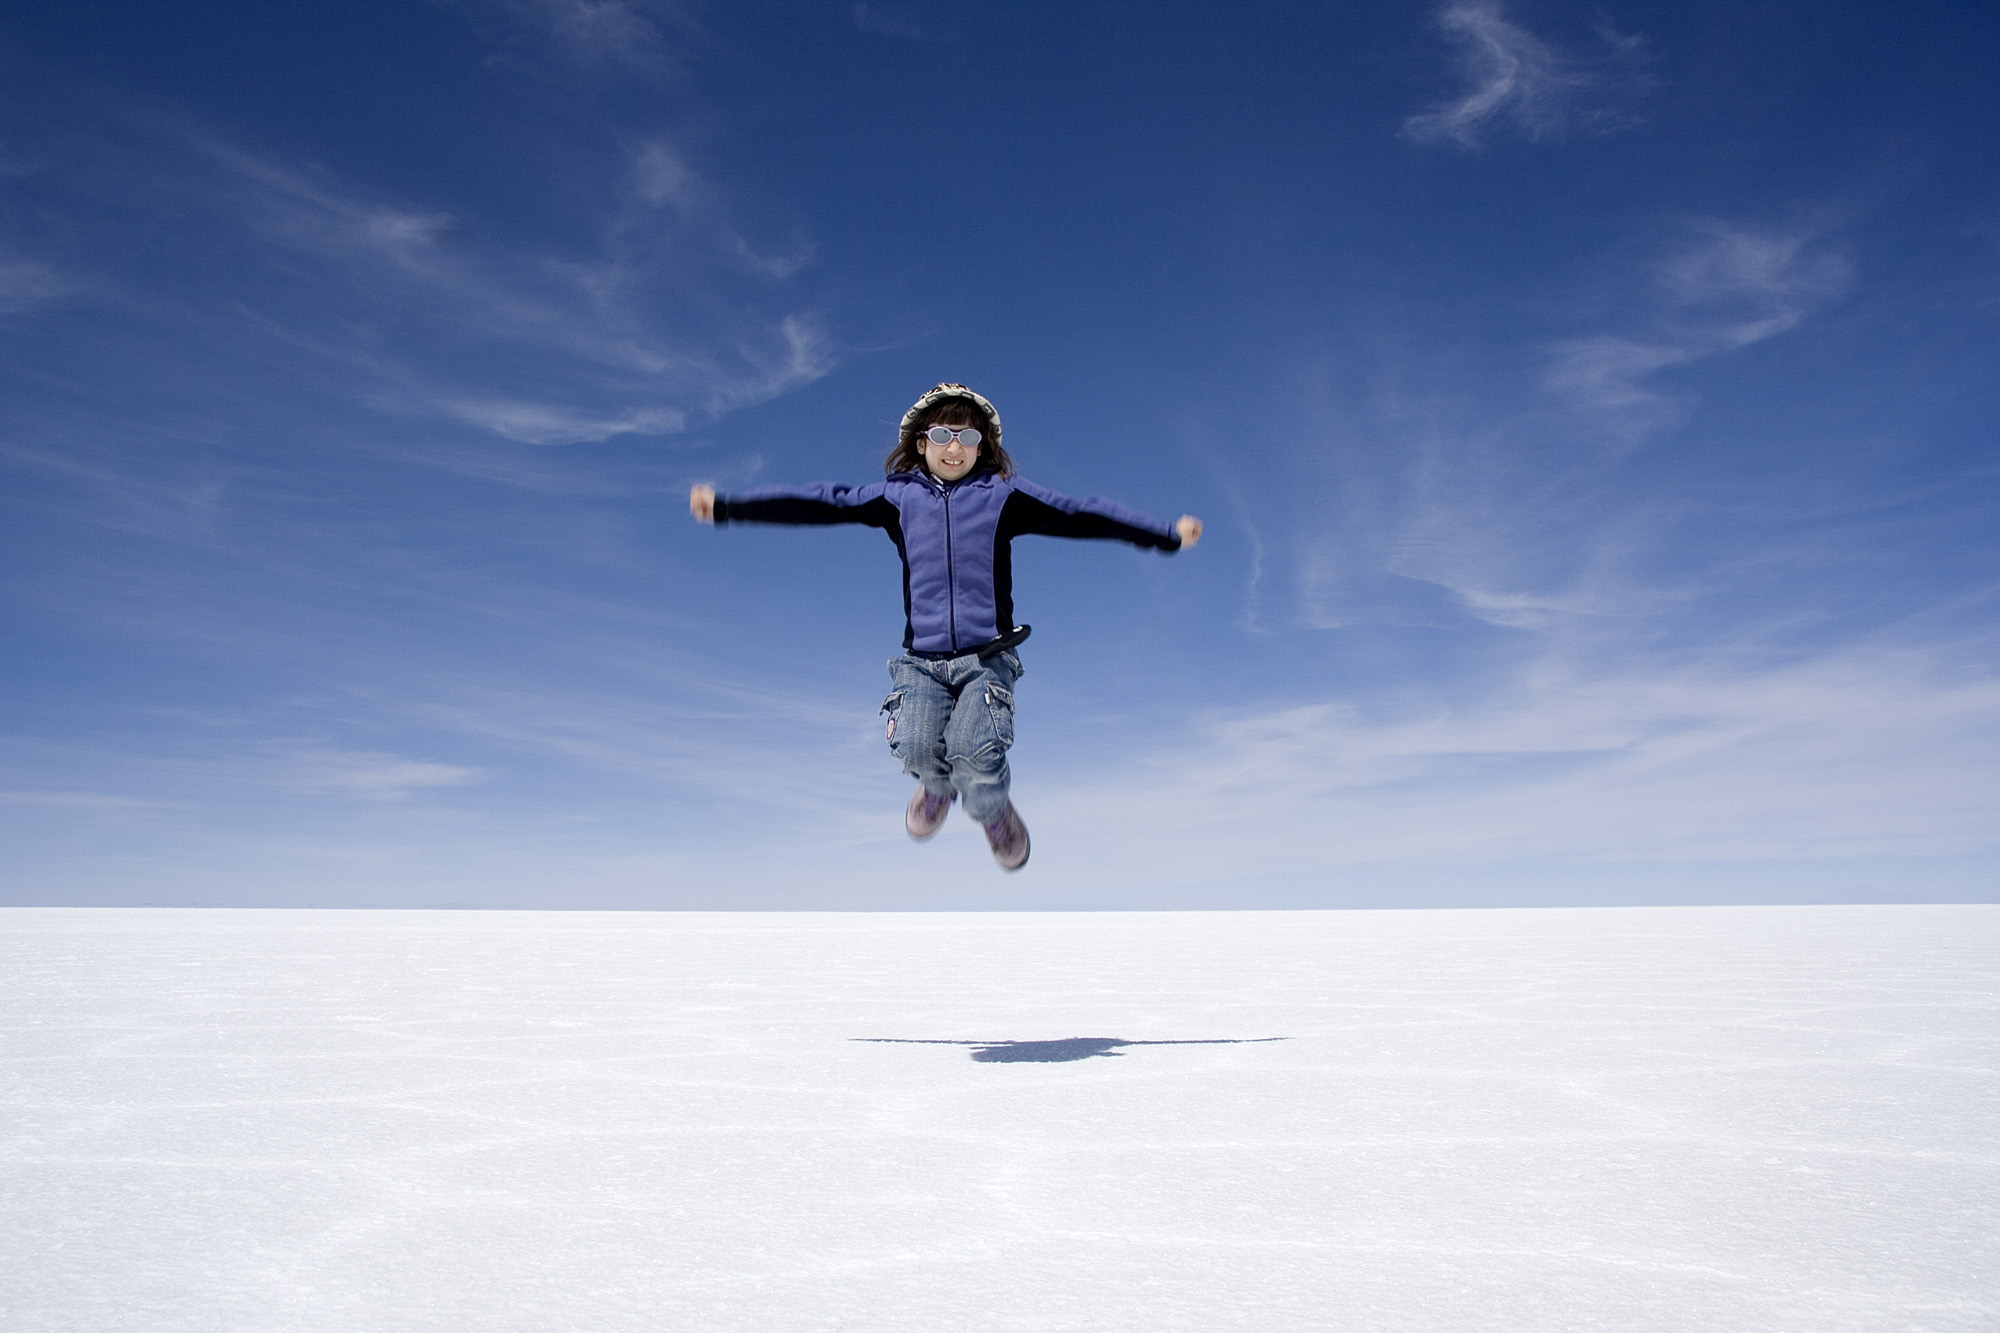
(908, 455)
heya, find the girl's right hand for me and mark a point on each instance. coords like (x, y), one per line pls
(701, 503)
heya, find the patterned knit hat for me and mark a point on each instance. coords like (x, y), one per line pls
(908, 432)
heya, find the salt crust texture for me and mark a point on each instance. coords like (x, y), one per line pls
(1632, 1119)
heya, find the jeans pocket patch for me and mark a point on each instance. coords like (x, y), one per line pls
(891, 706)
(1000, 705)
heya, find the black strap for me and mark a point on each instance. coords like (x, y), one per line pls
(1013, 638)
(991, 648)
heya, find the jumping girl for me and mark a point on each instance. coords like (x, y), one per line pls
(952, 505)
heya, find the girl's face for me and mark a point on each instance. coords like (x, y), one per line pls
(949, 462)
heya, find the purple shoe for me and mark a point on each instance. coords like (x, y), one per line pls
(1008, 837)
(926, 813)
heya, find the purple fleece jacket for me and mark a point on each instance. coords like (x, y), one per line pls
(958, 573)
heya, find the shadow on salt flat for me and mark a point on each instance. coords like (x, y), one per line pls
(1056, 1052)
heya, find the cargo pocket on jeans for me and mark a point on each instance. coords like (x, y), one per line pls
(1000, 705)
(892, 706)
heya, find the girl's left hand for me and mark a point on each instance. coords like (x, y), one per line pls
(1189, 528)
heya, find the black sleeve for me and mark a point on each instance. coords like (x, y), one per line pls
(1037, 509)
(819, 504)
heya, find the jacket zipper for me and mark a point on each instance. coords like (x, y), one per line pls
(950, 572)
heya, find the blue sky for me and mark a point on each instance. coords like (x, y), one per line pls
(1592, 409)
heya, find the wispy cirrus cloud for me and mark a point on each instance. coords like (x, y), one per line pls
(1543, 499)
(1720, 288)
(638, 35)
(676, 317)
(664, 179)
(25, 284)
(1860, 753)
(911, 22)
(1517, 81)
(1606, 375)
(372, 775)
(1744, 284)
(81, 802)
(546, 423)
(1537, 539)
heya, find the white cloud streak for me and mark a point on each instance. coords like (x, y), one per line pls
(636, 35)
(1865, 753)
(664, 179)
(593, 326)
(80, 802)
(932, 22)
(1516, 79)
(543, 423)
(1722, 288)
(1520, 515)
(1759, 283)
(372, 775)
(25, 284)
(1661, 720)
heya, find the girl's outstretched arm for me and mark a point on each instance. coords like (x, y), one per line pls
(1033, 508)
(816, 505)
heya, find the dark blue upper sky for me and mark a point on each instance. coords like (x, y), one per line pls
(1592, 408)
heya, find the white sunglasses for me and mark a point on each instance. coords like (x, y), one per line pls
(968, 436)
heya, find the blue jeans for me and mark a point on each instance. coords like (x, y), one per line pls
(952, 722)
